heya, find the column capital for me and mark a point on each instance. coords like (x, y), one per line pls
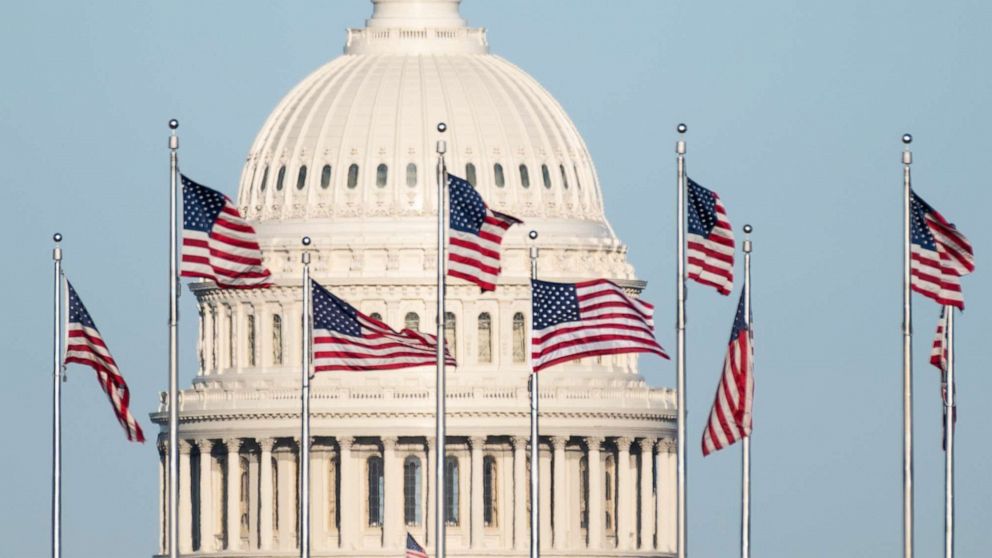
(558, 442)
(185, 446)
(265, 444)
(520, 442)
(345, 442)
(594, 442)
(205, 444)
(477, 442)
(624, 442)
(647, 445)
(389, 442)
(233, 444)
(666, 445)
(429, 442)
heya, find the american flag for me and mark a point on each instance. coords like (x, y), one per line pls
(577, 320)
(346, 339)
(710, 239)
(730, 418)
(938, 358)
(940, 255)
(475, 236)
(413, 549)
(218, 243)
(84, 345)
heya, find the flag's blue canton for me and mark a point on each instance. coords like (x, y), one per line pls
(919, 232)
(701, 209)
(411, 543)
(333, 314)
(201, 206)
(554, 303)
(468, 211)
(78, 312)
(739, 324)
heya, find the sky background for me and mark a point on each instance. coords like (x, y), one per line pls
(795, 111)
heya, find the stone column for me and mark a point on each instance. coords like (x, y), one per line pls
(185, 499)
(665, 469)
(206, 497)
(393, 494)
(347, 501)
(477, 524)
(647, 502)
(318, 497)
(521, 533)
(287, 483)
(265, 493)
(430, 494)
(233, 493)
(560, 500)
(545, 497)
(624, 494)
(593, 444)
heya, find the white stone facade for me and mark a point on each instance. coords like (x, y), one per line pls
(351, 163)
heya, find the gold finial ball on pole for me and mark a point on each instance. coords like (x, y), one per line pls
(907, 138)
(306, 241)
(173, 124)
(57, 237)
(681, 128)
(532, 235)
(442, 127)
(748, 229)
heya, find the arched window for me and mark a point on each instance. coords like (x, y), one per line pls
(546, 175)
(609, 474)
(470, 173)
(498, 174)
(578, 181)
(281, 177)
(524, 176)
(412, 321)
(375, 489)
(376, 315)
(232, 340)
(250, 327)
(411, 490)
(450, 333)
(381, 175)
(277, 339)
(411, 175)
(584, 492)
(325, 177)
(275, 493)
(564, 177)
(489, 491)
(301, 178)
(352, 176)
(519, 337)
(451, 490)
(485, 337)
(265, 178)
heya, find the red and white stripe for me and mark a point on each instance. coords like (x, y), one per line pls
(611, 323)
(476, 258)
(938, 351)
(730, 417)
(229, 254)
(378, 348)
(710, 260)
(937, 275)
(85, 346)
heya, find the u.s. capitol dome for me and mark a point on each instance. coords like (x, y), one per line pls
(348, 157)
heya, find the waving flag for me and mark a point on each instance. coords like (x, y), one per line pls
(218, 243)
(710, 239)
(730, 418)
(577, 320)
(85, 346)
(475, 235)
(938, 358)
(940, 255)
(346, 339)
(413, 549)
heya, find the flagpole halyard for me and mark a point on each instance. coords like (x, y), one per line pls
(173, 480)
(440, 390)
(305, 408)
(746, 442)
(950, 401)
(680, 347)
(534, 392)
(907, 359)
(57, 399)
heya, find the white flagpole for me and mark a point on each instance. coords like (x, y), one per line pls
(680, 346)
(440, 391)
(907, 360)
(949, 409)
(746, 447)
(535, 469)
(57, 400)
(173, 480)
(305, 409)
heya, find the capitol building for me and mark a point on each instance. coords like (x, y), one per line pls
(348, 158)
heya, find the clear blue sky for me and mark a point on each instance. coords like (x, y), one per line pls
(795, 110)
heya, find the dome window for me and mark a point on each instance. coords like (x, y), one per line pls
(280, 178)
(376, 315)
(301, 178)
(470, 173)
(451, 507)
(489, 491)
(546, 175)
(498, 172)
(519, 337)
(564, 177)
(411, 175)
(381, 175)
(412, 491)
(412, 321)
(265, 178)
(325, 177)
(485, 335)
(352, 176)
(376, 492)
(524, 176)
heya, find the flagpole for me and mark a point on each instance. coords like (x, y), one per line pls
(907, 360)
(949, 410)
(173, 480)
(680, 346)
(305, 409)
(746, 447)
(57, 399)
(535, 469)
(440, 390)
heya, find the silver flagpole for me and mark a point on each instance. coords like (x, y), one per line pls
(680, 345)
(440, 391)
(173, 344)
(305, 410)
(746, 447)
(949, 408)
(907, 360)
(57, 400)
(535, 440)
